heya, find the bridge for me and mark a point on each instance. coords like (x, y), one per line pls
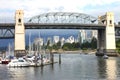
(63, 20)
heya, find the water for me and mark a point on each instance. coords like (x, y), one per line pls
(73, 67)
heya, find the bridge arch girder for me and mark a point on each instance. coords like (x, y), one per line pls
(63, 17)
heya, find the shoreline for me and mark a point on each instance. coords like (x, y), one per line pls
(76, 52)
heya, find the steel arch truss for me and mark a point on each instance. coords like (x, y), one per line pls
(6, 33)
(63, 17)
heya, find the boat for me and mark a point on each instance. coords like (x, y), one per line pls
(7, 56)
(5, 61)
(20, 62)
(0, 60)
(45, 61)
(105, 57)
(36, 60)
(31, 60)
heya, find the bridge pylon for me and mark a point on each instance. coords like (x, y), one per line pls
(19, 34)
(106, 37)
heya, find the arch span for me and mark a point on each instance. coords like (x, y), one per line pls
(63, 17)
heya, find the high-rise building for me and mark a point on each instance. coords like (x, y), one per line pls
(71, 39)
(56, 39)
(79, 37)
(83, 36)
(39, 41)
(94, 33)
(50, 40)
(88, 35)
(62, 41)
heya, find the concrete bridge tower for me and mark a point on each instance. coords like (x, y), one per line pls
(106, 38)
(19, 34)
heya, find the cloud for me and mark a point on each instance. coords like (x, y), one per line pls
(35, 7)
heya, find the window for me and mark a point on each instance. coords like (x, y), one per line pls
(21, 61)
(110, 21)
(19, 20)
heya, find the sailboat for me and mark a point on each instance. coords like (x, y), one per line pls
(6, 58)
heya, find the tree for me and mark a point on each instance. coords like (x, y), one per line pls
(48, 43)
(94, 43)
(76, 45)
(118, 45)
(85, 45)
(59, 44)
(67, 46)
(55, 47)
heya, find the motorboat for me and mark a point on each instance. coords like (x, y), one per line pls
(31, 61)
(37, 61)
(45, 60)
(5, 61)
(105, 57)
(20, 62)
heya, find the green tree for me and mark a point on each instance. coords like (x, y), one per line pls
(67, 46)
(85, 45)
(48, 43)
(55, 47)
(93, 43)
(59, 45)
(76, 46)
(118, 45)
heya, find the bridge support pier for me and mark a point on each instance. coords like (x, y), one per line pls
(106, 38)
(19, 35)
(19, 53)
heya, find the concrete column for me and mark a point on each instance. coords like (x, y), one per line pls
(19, 34)
(110, 44)
(101, 42)
(106, 37)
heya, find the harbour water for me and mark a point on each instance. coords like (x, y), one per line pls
(73, 67)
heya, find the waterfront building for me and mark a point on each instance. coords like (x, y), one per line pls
(70, 39)
(39, 41)
(83, 36)
(56, 39)
(94, 33)
(49, 39)
(62, 41)
(88, 35)
(79, 36)
(76, 40)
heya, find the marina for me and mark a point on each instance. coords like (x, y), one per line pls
(59, 40)
(70, 69)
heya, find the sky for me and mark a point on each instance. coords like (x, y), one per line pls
(35, 7)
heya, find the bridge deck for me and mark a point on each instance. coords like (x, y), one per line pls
(56, 26)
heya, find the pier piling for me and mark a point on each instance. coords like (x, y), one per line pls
(59, 58)
(51, 57)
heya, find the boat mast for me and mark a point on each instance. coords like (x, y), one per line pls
(9, 50)
(30, 43)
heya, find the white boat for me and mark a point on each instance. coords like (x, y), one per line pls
(31, 61)
(20, 62)
(45, 61)
(105, 57)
